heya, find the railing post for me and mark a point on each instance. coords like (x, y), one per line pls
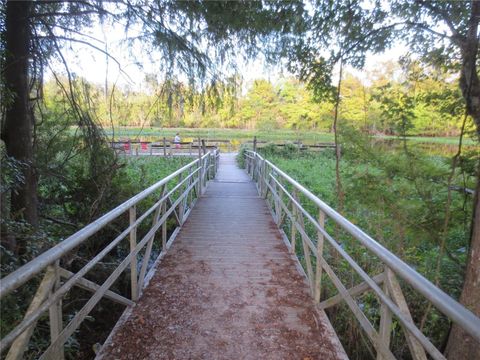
(318, 266)
(214, 164)
(181, 207)
(200, 172)
(55, 313)
(164, 147)
(133, 245)
(260, 178)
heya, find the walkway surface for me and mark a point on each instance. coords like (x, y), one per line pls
(227, 289)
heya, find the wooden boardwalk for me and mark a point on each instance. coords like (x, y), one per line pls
(227, 289)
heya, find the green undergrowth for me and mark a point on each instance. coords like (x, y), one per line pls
(398, 196)
(67, 205)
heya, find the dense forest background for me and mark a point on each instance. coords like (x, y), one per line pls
(395, 99)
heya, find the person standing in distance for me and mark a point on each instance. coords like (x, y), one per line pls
(177, 141)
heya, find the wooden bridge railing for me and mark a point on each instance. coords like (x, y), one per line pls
(166, 147)
(286, 198)
(173, 196)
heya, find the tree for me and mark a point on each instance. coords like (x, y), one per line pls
(442, 33)
(17, 130)
(194, 38)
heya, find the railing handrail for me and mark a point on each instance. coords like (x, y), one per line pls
(27, 271)
(449, 306)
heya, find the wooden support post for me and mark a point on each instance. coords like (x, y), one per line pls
(204, 147)
(395, 291)
(55, 313)
(20, 344)
(133, 245)
(255, 144)
(384, 331)
(318, 266)
(164, 147)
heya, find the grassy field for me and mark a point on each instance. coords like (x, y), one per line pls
(224, 134)
(242, 135)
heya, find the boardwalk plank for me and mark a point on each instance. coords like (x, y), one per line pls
(227, 289)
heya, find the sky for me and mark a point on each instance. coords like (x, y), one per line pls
(123, 70)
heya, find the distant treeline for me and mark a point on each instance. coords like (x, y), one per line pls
(395, 99)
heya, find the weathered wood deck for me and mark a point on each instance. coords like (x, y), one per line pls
(227, 289)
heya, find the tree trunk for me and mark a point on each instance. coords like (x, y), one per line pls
(18, 127)
(460, 345)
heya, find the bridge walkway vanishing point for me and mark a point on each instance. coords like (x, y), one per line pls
(226, 289)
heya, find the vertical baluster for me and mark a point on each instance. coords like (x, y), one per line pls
(318, 266)
(260, 177)
(189, 199)
(293, 230)
(278, 207)
(133, 244)
(306, 250)
(254, 167)
(265, 179)
(164, 224)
